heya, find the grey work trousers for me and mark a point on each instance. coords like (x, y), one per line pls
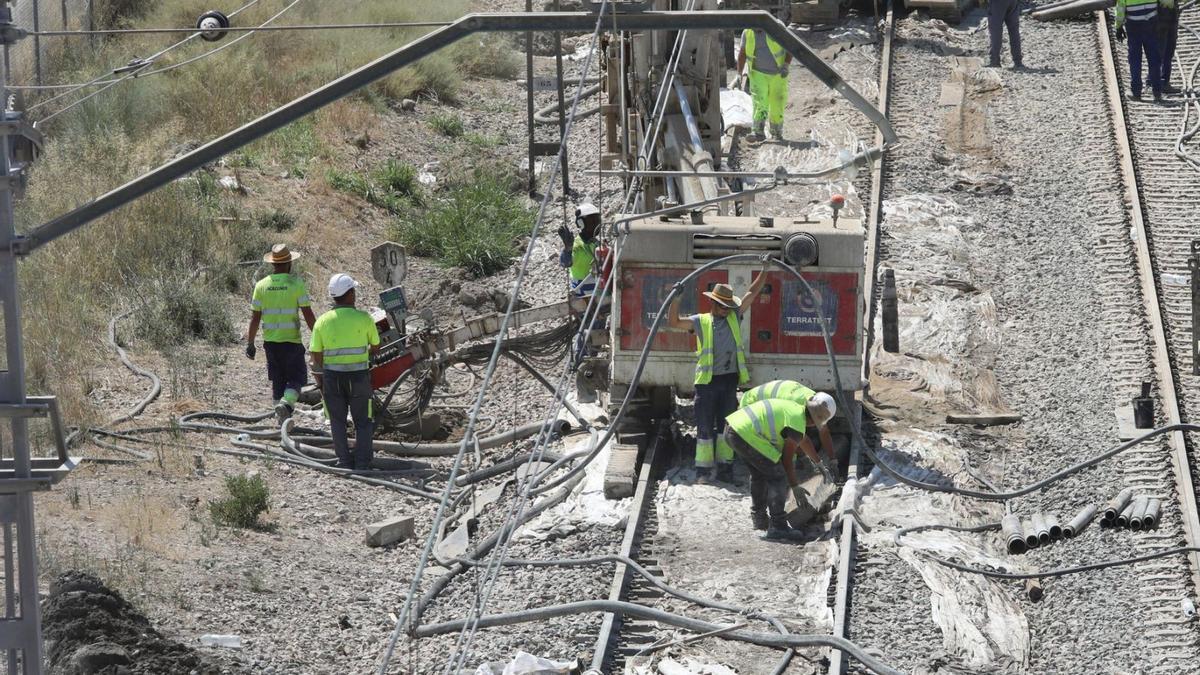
(768, 482)
(1002, 13)
(350, 393)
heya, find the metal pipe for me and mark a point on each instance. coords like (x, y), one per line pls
(1010, 525)
(1123, 517)
(1139, 510)
(1152, 515)
(1080, 521)
(628, 608)
(1033, 589)
(1040, 528)
(511, 464)
(438, 39)
(1117, 504)
(688, 118)
(780, 175)
(1031, 538)
(1056, 531)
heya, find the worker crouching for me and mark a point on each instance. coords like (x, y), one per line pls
(720, 368)
(343, 340)
(766, 435)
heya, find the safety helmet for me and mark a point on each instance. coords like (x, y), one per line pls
(340, 284)
(821, 408)
(586, 209)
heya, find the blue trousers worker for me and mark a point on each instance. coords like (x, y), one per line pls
(714, 402)
(285, 367)
(1167, 34)
(1004, 14)
(1142, 41)
(350, 392)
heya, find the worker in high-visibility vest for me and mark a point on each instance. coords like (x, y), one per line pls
(720, 368)
(578, 255)
(1137, 20)
(343, 341)
(791, 390)
(766, 435)
(768, 75)
(276, 300)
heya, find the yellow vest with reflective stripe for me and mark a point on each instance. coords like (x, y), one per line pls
(279, 297)
(344, 336)
(788, 390)
(748, 43)
(704, 349)
(761, 424)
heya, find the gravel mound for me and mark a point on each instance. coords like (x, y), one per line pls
(90, 629)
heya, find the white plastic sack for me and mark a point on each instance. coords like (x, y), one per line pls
(737, 109)
(528, 664)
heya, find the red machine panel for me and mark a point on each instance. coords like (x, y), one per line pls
(785, 317)
(643, 290)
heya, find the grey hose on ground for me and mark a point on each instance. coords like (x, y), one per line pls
(542, 116)
(289, 450)
(641, 612)
(510, 464)
(439, 449)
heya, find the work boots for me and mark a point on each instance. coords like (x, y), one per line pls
(725, 472)
(777, 131)
(759, 518)
(757, 133)
(779, 530)
(283, 411)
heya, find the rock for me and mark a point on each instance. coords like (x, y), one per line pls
(361, 141)
(227, 641)
(92, 658)
(390, 531)
(408, 105)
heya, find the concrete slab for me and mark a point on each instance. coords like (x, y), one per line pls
(1126, 429)
(952, 94)
(390, 531)
(621, 477)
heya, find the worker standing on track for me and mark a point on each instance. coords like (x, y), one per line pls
(278, 297)
(1004, 14)
(1137, 20)
(1167, 34)
(343, 341)
(720, 368)
(579, 251)
(766, 435)
(768, 80)
(790, 390)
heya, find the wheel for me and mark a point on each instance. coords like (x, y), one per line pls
(209, 25)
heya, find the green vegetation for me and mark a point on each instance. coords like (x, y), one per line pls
(248, 498)
(447, 124)
(275, 220)
(476, 225)
(392, 186)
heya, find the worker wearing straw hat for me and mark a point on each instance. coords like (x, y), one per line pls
(273, 307)
(720, 368)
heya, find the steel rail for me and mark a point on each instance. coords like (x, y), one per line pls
(847, 544)
(610, 629)
(438, 39)
(1162, 359)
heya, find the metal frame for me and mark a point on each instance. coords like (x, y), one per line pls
(23, 634)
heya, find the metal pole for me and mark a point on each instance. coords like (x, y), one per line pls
(1194, 268)
(37, 41)
(12, 392)
(562, 106)
(10, 591)
(529, 98)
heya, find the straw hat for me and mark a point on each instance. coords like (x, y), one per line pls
(722, 294)
(280, 254)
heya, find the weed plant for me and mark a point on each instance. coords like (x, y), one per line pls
(447, 124)
(248, 499)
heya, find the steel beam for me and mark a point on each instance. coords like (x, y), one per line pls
(406, 55)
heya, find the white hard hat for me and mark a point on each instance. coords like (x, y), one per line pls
(586, 209)
(821, 408)
(340, 284)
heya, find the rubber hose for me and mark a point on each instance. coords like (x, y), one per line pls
(439, 449)
(515, 358)
(346, 473)
(541, 115)
(511, 464)
(638, 611)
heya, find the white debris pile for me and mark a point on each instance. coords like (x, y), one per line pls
(524, 663)
(585, 507)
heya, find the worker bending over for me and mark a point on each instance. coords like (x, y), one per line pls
(1137, 20)
(579, 252)
(766, 434)
(343, 341)
(720, 368)
(768, 80)
(790, 390)
(278, 297)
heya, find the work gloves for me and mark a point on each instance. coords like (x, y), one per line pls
(800, 494)
(1121, 34)
(568, 239)
(737, 82)
(251, 351)
(783, 70)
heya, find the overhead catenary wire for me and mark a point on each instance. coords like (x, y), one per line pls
(423, 561)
